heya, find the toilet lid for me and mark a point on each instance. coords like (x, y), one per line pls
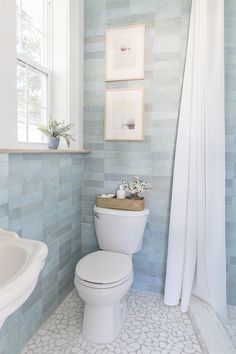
(104, 267)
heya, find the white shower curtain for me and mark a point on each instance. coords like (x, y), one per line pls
(196, 251)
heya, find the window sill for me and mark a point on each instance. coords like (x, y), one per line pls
(44, 151)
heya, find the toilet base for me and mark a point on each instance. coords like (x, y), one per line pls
(102, 324)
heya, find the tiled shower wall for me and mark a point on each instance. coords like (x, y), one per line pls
(230, 91)
(110, 162)
(40, 198)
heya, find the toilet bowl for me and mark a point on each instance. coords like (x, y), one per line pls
(102, 279)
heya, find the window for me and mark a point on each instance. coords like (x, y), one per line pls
(33, 74)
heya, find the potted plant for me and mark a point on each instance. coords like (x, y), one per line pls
(55, 130)
(135, 187)
(133, 200)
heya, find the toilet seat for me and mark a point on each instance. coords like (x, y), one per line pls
(103, 269)
(104, 286)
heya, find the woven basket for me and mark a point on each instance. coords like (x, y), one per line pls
(122, 204)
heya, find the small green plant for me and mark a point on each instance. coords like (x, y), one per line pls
(55, 129)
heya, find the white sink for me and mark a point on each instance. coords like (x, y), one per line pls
(21, 261)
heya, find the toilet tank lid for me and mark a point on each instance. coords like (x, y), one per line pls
(103, 267)
(120, 212)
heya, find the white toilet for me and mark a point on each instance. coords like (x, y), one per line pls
(103, 278)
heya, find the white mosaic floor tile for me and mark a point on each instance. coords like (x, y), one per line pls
(231, 325)
(150, 327)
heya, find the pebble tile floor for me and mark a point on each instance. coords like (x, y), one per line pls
(150, 327)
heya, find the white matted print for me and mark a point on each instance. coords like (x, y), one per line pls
(124, 114)
(125, 51)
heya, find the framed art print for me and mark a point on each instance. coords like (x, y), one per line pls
(124, 53)
(124, 114)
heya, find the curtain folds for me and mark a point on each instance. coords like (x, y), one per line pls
(196, 260)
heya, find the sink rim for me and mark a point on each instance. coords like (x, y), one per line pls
(18, 288)
(35, 251)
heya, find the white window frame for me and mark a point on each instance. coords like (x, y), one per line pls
(44, 69)
(8, 82)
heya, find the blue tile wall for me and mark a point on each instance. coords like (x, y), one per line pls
(41, 199)
(230, 107)
(110, 162)
(167, 27)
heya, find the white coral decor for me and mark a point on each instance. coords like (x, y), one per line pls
(135, 187)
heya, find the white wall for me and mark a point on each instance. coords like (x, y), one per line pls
(60, 86)
(76, 25)
(8, 110)
(67, 59)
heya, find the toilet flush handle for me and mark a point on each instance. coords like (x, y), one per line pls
(97, 215)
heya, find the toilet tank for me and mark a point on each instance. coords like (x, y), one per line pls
(120, 230)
